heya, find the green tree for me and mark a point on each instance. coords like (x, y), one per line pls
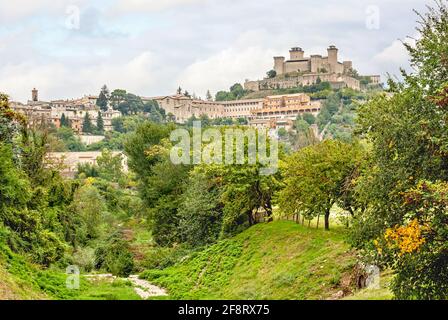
(116, 97)
(160, 181)
(100, 123)
(10, 121)
(282, 133)
(271, 74)
(208, 96)
(65, 122)
(403, 186)
(87, 126)
(70, 141)
(309, 118)
(224, 96)
(103, 98)
(237, 90)
(110, 167)
(90, 206)
(314, 178)
(115, 256)
(200, 212)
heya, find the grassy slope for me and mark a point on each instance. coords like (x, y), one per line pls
(21, 280)
(278, 260)
(12, 288)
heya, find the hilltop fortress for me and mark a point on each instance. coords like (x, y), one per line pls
(302, 71)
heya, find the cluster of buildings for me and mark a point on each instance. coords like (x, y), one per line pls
(304, 71)
(269, 112)
(274, 111)
(74, 111)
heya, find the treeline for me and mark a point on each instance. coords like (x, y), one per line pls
(56, 221)
(129, 104)
(194, 204)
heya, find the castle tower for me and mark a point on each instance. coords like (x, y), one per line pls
(348, 65)
(316, 63)
(279, 65)
(296, 53)
(34, 95)
(332, 57)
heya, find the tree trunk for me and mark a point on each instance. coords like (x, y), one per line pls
(327, 219)
(318, 218)
(250, 218)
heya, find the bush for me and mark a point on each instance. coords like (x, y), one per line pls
(163, 257)
(84, 258)
(115, 256)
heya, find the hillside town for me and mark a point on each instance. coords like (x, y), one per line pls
(275, 109)
(271, 111)
(172, 151)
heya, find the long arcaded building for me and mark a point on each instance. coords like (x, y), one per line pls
(260, 112)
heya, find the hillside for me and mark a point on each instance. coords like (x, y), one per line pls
(12, 288)
(278, 260)
(20, 280)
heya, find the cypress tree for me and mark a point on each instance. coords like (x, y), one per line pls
(87, 126)
(100, 123)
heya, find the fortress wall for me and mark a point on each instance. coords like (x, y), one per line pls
(252, 85)
(294, 66)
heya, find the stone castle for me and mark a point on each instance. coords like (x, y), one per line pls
(302, 71)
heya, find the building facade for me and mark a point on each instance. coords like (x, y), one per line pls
(268, 112)
(183, 107)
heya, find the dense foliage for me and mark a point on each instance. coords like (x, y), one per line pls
(402, 186)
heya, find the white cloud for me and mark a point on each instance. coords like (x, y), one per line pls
(223, 69)
(57, 80)
(394, 56)
(395, 53)
(19, 9)
(135, 6)
(150, 47)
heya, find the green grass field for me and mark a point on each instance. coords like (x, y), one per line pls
(278, 260)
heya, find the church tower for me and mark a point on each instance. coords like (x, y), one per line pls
(34, 95)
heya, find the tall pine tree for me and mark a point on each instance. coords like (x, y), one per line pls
(65, 122)
(103, 98)
(87, 126)
(100, 123)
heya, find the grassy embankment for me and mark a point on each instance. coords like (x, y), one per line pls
(21, 280)
(278, 260)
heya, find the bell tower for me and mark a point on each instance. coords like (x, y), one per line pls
(34, 95)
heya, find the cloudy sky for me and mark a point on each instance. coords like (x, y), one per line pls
(68, 48)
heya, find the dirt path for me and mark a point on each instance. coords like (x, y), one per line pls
(142, 287)
(145, 289)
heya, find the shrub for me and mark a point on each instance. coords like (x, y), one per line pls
(114, 256)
